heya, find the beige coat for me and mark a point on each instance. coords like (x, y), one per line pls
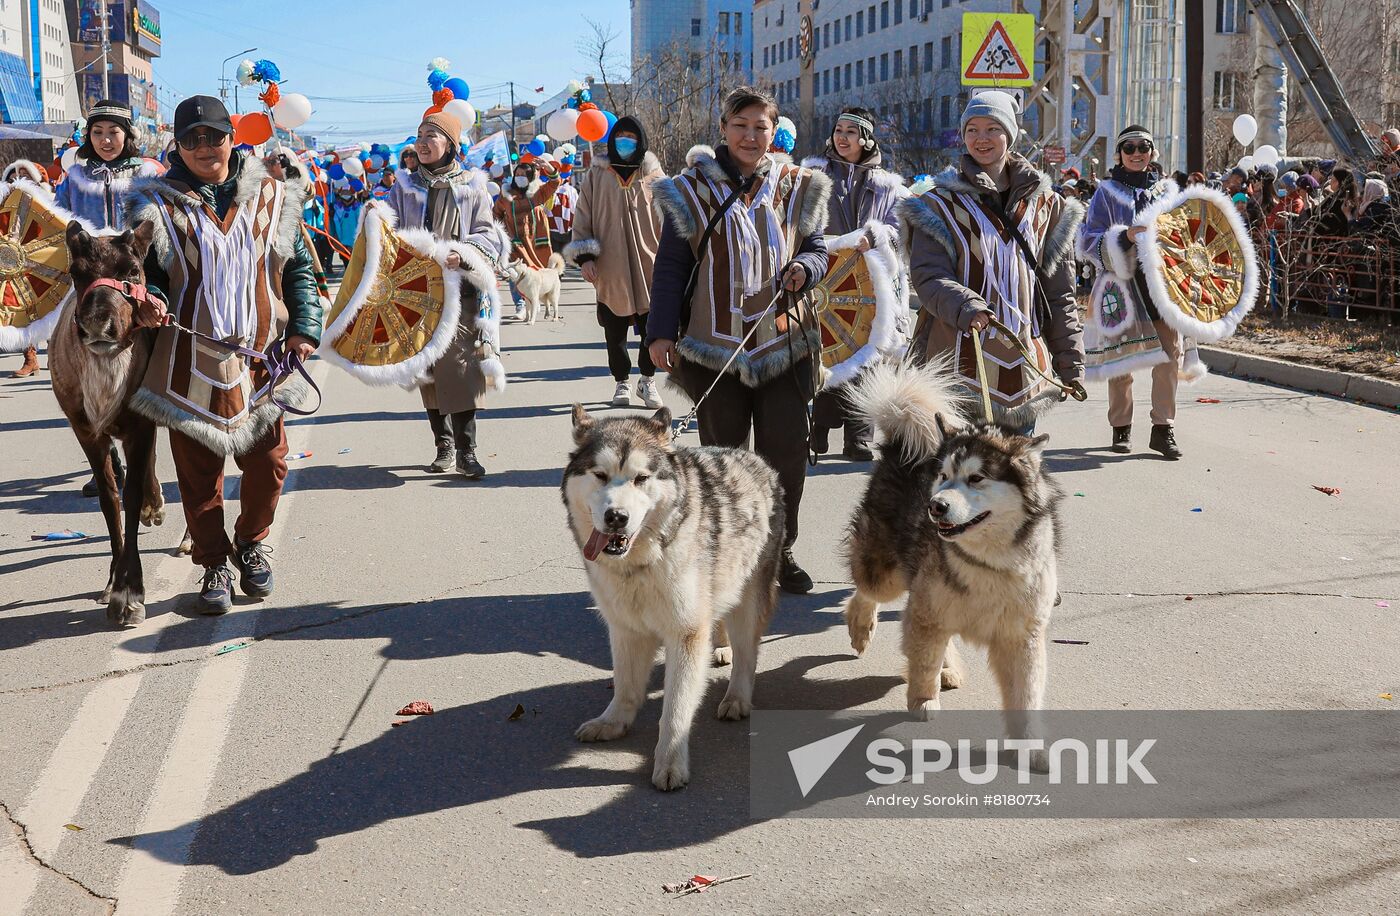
(614, 223)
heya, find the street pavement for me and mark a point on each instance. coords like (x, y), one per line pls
(153, 771)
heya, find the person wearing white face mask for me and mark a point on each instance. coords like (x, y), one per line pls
(616, 233)
(523, 209)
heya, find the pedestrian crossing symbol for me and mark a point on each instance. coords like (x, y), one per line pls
(996, 48)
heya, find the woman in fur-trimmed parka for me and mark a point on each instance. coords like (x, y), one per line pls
(863, 199)
(766, 246)
(967, 266)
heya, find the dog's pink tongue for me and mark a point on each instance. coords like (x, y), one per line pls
(596, 542)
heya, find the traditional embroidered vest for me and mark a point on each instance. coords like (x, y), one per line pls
(989, 262)
(720, 313)
(226, 282)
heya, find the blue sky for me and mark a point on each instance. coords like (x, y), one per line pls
(368, 61)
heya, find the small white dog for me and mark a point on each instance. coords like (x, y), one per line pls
(538, 287)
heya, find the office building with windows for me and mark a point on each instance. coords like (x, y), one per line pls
(723, 28)
(37, 83)
(134, 32)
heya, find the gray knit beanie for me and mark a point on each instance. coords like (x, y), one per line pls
(999, 106)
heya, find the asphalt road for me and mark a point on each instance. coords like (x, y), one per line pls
(268, 779)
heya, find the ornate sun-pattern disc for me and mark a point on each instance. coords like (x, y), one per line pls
(845, 306)
(403, 308)
(1113, 310)
(1203, 259)
(34, 277)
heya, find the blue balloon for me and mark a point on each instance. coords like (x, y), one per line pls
(356, 184)
(336, 171)
(585, 96)
(535, 147)
(459, 87)
(612, 119)
(566, 160)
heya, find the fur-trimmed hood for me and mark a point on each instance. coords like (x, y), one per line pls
(1027, 183)
(650, 167)
(671, 205)
(882, 178)
(248, 173)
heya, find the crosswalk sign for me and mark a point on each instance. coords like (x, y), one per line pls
(998, 49)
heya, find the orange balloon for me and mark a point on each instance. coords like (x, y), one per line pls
(592, 125)
(253, 129)
(234, 119)
(442, 97)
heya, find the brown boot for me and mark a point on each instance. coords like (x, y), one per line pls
(31, 364)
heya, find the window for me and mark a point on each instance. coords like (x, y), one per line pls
(738, 23)
(860, 75)
(928, 116)
(884, 67)
(1229, 16)
(826, 35)
(1229, 90)
(913, 59)
(837, 32)
(860, 25)
(870, 70)
(790, 55)
(885, 14)
(945, 112)
(848, 28)
(898, 64)
(913, 9)
(816, 85)
(782, 96)
(870, 18)
(928, 57)
(695, 28)
(945, 52)
(724, 23)
(947, 3)
(898, 11)
(826, 81)
(765, 58)
(848, 77)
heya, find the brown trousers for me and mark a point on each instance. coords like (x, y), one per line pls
(1164, 382)
(201, 476)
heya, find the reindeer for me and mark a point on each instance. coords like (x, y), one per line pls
(97, 358)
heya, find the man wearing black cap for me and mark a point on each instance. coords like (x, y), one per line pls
(223, 228)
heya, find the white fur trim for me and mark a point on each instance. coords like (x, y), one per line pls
(376, 220)
(883, 264)
(1125, 366)
(1114, 257)
(1192, 368)
(580, 247)
(1151, 259)
(696, 152)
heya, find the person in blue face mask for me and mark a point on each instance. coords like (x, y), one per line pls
(615, 235)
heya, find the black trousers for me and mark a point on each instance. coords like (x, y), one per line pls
(462, 434)
(615, 330)
(776, 414)
(832, 410)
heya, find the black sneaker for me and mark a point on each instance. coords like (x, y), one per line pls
(1123, 439)
(443, 461)
(216, 594)
(1164, 440)
(792, 578)
(859, 451)
(255, 575)
(469, 467)
(821, 440)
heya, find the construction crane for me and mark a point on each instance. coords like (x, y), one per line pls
(1294, 38)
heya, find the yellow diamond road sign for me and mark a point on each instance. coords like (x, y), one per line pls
(998, 49)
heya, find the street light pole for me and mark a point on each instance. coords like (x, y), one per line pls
(106, 47)
(223, 82)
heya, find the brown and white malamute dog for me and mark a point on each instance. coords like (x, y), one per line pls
(962, 517)
(678, 544)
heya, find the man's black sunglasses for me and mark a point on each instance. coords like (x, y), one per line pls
(195, 139)
(1133, 149)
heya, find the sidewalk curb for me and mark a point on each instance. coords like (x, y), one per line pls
(1374, 391)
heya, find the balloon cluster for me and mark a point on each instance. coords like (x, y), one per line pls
(450, 94)
(785, 137)
(286, 111)
(580, 117)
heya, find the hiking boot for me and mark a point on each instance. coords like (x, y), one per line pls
(792, 578)
(859, 451)
(821, 440)
(1123, 439)
(468, 466)
(646, 390)
(443, 461)
(622, 395)
(1164, 440)
(216, 593)
(255, 575)
(31, 364)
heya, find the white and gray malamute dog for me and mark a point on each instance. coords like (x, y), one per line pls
(962, 517)
(681, 547)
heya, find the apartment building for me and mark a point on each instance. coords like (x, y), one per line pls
(722, 28)
(899, 58)
(36, 64)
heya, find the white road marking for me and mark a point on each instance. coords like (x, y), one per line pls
(151, 875)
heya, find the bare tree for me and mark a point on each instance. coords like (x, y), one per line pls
(603, 50)
(676, 92)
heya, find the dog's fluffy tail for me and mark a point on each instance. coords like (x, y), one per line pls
(556, 262)
(904, 402)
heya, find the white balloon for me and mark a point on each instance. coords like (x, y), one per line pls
(497, 170)
(562, 125)
(463, 111)
(547, 157)
(1247, 163)
(70, 156)
(292, 111)
(353, 167)
(1245, 128)
(493, 189)
(1265, 155)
